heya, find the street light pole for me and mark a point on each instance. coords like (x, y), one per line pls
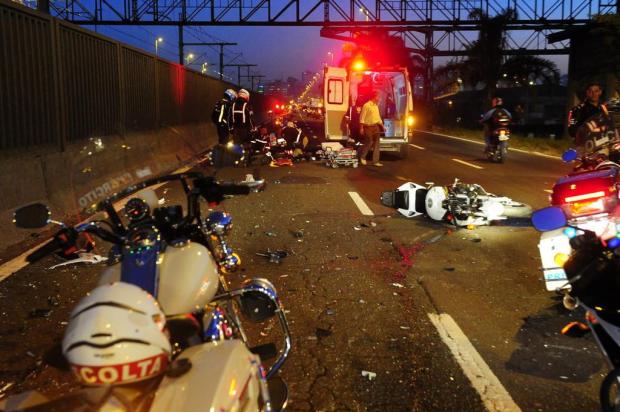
(157, 41)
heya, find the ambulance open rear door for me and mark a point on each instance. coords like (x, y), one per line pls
(336, 102)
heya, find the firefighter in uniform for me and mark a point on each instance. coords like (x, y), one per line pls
(242, 121)
(221, 115)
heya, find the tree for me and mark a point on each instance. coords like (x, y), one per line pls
(486, 64)
(485, 54)
(520, 70)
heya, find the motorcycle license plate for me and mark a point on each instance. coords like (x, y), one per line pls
(503, 138)
(555, 279)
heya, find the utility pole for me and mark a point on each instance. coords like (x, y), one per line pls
(252, 77)
(239, 66)
(221, 45)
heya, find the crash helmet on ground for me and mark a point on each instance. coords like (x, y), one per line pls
(244, 94)
(230, 94)
(116, 335)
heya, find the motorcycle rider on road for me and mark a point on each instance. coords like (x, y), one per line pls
(221, 115)
(490, 118)
(241, 113)
(584, 111)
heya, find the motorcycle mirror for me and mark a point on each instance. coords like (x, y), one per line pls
(34, 216)
(569, 155)
(259, 300)
(549, 218)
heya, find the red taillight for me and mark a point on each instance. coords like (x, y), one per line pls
(585, 196)
(587, 208)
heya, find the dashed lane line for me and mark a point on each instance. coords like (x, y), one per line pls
(468, 164)
(548, 191)
(361, 205)
(493, 394)
(416, 146)
(404, 179)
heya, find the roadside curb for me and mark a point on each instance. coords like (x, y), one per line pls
(533, 153)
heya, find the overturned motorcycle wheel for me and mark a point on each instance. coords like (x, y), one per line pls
(516, 210)
(610, 392)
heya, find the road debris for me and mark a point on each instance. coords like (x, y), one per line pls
(322, 333)
(330, 312)
(476, 240)
(40, 313)
(369, 375)
(275, 256)
(434, 239)
(353, 257)
(398, 285)
(357, 228)
(53, 301)
(449, 269)
(298, 234)
(271, 234)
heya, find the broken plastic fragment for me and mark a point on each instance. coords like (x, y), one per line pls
(369, 375)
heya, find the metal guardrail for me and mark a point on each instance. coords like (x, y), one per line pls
(60, 83)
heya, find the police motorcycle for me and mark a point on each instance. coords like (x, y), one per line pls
(178, 258)
(588, 197)
(461, 204)
(117, 346)
(593, 271)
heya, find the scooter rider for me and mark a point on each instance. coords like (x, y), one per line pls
(491, 118)
(242, 121)
(221, 115)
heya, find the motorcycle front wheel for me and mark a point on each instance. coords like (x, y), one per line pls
(516, 209)
(610, 392)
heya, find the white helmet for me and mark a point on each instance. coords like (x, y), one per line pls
(244, 94)
(116, 336)
(230, 94)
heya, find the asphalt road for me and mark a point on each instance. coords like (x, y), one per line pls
(364, 292)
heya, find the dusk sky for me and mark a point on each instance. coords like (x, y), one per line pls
(280, 52)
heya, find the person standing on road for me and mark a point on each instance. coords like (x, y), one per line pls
(371, 127)
(221, 115)
(581, 114)
(242, 121)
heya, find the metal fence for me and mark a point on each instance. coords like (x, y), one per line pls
(60, 83)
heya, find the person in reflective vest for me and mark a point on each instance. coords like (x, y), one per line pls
(221, 115)
(241, 115)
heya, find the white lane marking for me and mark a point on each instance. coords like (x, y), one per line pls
(548, 191)
(482, 143)
(361, 205)
(416, 146)
(19, 262)
(493, 394)
(468, 164)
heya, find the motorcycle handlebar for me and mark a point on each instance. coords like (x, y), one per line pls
(46, 249)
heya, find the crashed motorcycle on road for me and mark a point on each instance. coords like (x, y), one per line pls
(460, 203)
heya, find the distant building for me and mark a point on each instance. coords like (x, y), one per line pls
(306, 77)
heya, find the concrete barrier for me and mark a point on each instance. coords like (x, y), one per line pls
(89, 171)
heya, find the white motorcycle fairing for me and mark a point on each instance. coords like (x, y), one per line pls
(412, 190)
(434, 203)
(188, 278)
(237, 385)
